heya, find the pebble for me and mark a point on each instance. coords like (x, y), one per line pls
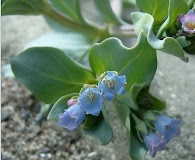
(92, 154)
(6, 112)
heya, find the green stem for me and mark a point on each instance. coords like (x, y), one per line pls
(51, 12)
(124, 30)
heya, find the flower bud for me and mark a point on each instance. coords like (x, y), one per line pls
(71, 102)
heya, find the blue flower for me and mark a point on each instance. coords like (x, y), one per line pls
(112, 85)
(91, 101)
(188, 22)
(168, 127)
(154, 143)
(72, 117)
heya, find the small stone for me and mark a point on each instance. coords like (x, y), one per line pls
(45, 150)
(92, 154)
(42, 155)
(25, 114)
(6, 112)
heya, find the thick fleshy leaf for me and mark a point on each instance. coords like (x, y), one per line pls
(176, 7)
(106, 12)
(134, 91)
(22, 7)
(127, 100)
(98, 127)
(123, 112)
(129, 2)
(157, 104)
(69, 8)
(73, 43)
(141, 98)
(138, 64)
(191, 48)
(156, 8)
(137, 149)
(2, 1)
(183, 41)
(49, 73)
(59, 107)
(144, 21)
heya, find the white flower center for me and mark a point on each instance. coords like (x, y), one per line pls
(190, 25)
(91, 96)
(110, 84)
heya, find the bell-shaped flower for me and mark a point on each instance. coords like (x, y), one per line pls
(112, 85)
(91, 101)
(188, 22)
(167, 126)
(72, 117)
(154, 143)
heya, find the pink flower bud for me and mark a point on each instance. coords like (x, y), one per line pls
(71, 102)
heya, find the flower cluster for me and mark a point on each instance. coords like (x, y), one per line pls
(91, 99)
(166, 129)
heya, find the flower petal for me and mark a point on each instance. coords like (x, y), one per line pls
(112, 85)
(91, 101)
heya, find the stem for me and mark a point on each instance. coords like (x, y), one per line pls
(124, 30)
(51, 12)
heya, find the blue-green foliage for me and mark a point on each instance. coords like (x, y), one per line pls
(84, 45)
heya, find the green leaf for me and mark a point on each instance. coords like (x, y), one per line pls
(69, 8)
(123, 112)
(141, 97)
(138, 64)
(73, 43)
(191, 48)
(137, 149)
(134, 91)
(59, 107)
(22, 7)
(144, 21)
(148, 115)
(106, 12)
(129, 2)
(130, 98)
(157, 104)
(99, 127)
(176, 7)
(156, 8)
(2, 1)
(49, 73)
(56, 26)
(127, 100)
(183, 41)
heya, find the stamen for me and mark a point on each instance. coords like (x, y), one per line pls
(166, 127)
(190, 25)
(110, 84)
(91, 96)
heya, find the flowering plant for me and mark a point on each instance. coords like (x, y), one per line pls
(89, 66)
